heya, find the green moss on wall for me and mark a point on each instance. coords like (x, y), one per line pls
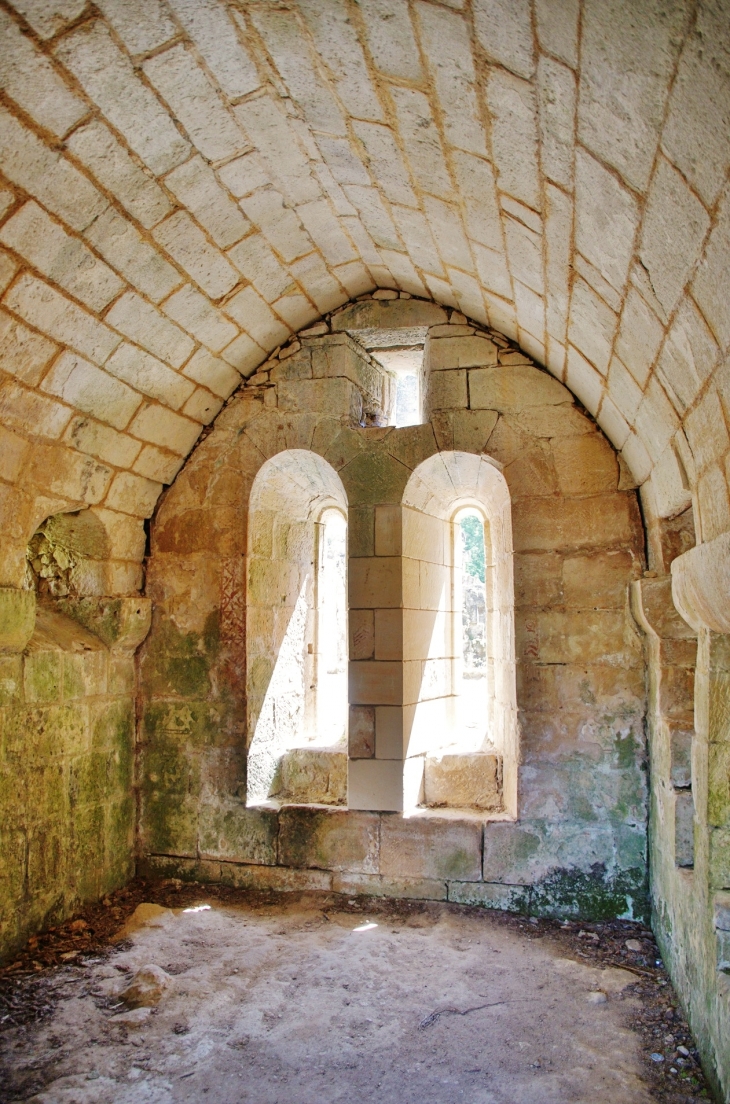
(595, 895)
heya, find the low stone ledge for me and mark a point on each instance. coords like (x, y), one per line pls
(491, 895)
(175, 866)
(374, 885)
(339, 840)
(231, 832)
(430, 848)
(281, 879)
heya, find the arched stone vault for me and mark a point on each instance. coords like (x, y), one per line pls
(186, 184)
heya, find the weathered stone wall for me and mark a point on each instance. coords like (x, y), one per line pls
(67, 744)
(689, 745)
(579, 843)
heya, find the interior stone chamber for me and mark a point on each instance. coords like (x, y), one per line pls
(565, 832)
(130, 723)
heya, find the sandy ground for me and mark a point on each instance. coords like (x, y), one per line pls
(312, 1000)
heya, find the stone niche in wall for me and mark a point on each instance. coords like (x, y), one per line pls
(541, 801)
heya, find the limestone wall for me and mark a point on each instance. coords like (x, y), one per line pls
(689, 742)
(67, 719)
(579, 840)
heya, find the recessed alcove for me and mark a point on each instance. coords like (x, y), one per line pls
(296, 625)
(460, 732)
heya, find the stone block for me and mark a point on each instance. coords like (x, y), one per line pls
(362, 633)
(230, 831)
(599, 581)
(374, 885)
(718, 782)
(676, 693)
(430, 847)
(375, 683)
(388, 732)
(573, 524)
(341, 840)
(447, 391)
(532, 473)
(375, 784)
(133, 494)
(411, 445)
(720, 858)
(538, 579)
(361, 732)
(491, 895)
(84, 674)
(388, 634)
(510, 389)
(149, 375)
(374, 582)
(393, 316)
(721, 911)
(585, 464)
(684, 824)
(277, 878)
(339, 397)
(144, 324)
(388, 530)
(463, 781)
(17, 618)
(163, 427)
(680, 752)
(42, 676)
(722, 943)
(574, 637)
(316, 775)
(81, 384)
(523, 854)
(459, 352)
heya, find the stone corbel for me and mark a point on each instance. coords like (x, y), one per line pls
(120, 623)
(701, 585)
(17, 618)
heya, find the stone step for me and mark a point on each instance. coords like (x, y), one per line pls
(471, 781)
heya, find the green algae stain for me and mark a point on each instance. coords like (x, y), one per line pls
(593, 895)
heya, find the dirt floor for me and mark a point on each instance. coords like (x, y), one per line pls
(316, 999)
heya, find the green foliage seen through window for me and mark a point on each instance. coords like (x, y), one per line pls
(472, 536)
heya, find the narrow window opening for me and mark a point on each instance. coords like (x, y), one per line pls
(296, 626)
(471, 688)
(330, 674)
(406, 364)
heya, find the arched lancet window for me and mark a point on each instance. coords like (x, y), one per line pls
(296, 628)
(460, 714)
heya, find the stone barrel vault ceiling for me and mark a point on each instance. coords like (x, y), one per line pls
(186, 183)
